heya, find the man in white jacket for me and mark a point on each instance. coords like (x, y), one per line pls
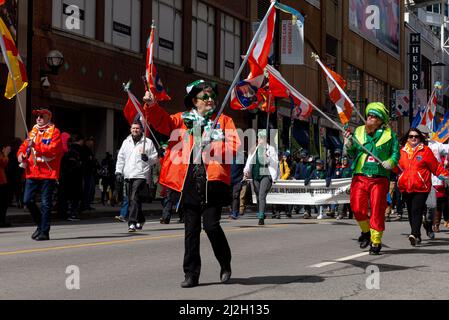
(134, 161)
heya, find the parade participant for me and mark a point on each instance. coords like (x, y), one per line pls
(262, 167)
(418, 163)
(442, 209)
(236, 185)
(371, 179)
(4, 153)
(285, 172)
(187, 168)
(344, 171)
(319, 173)
(40, 155)
(303, 169)
(437, 197)
(134, 161)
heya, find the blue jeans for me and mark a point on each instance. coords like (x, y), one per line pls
(41, 217)
(124, 209)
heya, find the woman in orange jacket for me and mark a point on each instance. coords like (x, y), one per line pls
(418, 164)
(203, 176)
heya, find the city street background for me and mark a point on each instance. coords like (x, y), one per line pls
(288, 259)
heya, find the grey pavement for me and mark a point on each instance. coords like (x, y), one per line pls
(288, 259)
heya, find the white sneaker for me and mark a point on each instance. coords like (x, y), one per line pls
(132, 228)
(139, 226)
(320, 216)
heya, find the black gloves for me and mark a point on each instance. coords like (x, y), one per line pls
(144, 157)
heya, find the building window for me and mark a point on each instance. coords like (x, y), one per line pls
(122, 23)
(167, 15)
(375, 89)
(354, 90)
(203, 38)
(75, 16)
(230, 47)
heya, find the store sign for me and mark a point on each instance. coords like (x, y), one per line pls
(121, 28)
(415, 61)
(292, 43)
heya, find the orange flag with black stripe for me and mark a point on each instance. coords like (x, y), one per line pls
(17, 79)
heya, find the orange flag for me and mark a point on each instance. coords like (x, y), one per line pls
(17, 79)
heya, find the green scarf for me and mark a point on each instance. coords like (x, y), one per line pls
(192, 119)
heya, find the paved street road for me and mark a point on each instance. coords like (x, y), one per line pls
(293, 259)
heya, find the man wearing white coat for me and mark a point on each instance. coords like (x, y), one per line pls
(134, 162)
(263, 167)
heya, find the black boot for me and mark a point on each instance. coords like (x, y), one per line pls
(365, 240)
(189, 282)
(375, 249)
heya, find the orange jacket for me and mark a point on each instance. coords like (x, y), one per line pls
(48, 158)
(418, 170)
(177, 157)
(3, 164)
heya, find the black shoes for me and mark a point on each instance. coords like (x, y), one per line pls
(189, 282)
(35, 234)
(43, 237)
(261, 222)
(375, 249)
(164, 221)
(412, 240)
(225, 275)
(365, 240)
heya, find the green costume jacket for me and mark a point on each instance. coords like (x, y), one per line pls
(383, 144)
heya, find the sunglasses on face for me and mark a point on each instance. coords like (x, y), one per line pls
(373, 116)
(40, 116)
(412, 136)
(206, 97)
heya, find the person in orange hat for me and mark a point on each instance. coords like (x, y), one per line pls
(40, 155)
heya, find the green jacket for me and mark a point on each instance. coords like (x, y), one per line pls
(383, 144)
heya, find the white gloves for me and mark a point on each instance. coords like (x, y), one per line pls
(387, 165)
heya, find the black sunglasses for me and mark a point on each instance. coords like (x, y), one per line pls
(206, 97)
(411, 136)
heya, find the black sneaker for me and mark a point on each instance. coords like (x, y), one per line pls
(43, 237)
(365, 240)
(375, 249)
(412, 240)
(164, 221)
(261, 222)
(225, 275)
(35, 234)
(139, 226)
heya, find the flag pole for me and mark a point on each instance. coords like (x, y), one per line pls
(239, 72)
(317, 59)
(126, 89)
(294, 91)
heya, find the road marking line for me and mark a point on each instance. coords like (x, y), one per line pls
(325, 264)
(99, 244)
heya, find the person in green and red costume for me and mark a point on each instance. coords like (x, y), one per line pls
(370, 182)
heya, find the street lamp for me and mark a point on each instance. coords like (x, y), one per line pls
(54, 60)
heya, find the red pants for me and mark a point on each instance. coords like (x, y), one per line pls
(374, 190)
